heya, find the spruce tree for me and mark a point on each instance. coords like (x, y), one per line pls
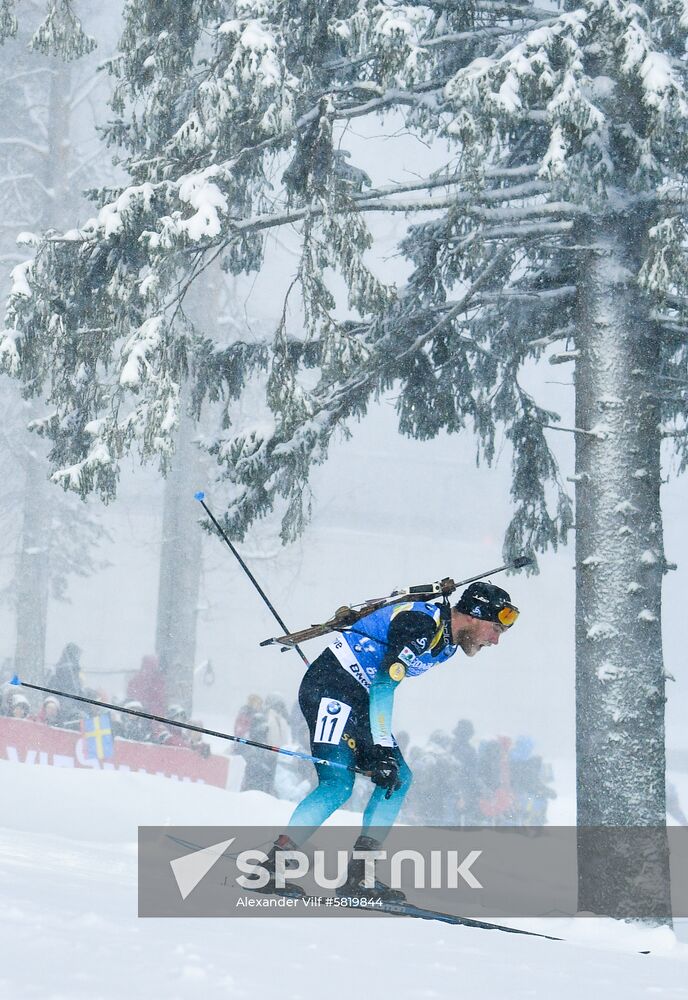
(43, 98)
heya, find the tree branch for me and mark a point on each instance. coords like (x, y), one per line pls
(27, 144)
(507, 29)
(600, 435)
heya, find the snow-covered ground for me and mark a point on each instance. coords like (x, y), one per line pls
(69, 926)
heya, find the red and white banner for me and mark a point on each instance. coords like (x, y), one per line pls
(28, 742)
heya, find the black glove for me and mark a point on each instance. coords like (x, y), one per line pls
(384, 768)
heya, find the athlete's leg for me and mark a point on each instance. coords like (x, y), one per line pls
(378, 817)
(326, 694)
(334, 787)
(381, 811)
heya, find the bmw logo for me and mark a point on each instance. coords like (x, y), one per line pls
(334, 708)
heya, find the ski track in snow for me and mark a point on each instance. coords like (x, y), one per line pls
(70, 930)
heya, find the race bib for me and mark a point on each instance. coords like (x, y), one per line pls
(331, 720)
(347, 659)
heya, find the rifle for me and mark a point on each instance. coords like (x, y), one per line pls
(347, 616)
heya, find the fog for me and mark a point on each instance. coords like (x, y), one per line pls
(387, 511)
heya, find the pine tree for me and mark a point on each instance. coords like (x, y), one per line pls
(59, 31)
(41, 99)
(211, 100)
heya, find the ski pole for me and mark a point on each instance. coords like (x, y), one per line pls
(186, 725)
(518, 563)
(200, 496)
(447, 586)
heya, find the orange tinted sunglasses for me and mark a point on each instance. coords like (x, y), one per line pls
(507, 615)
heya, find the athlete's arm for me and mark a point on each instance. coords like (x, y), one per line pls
(410, 634)
(381, 705)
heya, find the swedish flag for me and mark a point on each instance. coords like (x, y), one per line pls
(97, 734)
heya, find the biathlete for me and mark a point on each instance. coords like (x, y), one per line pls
(347, 698)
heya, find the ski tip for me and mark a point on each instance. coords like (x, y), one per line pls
(15, 680)
(200, 495)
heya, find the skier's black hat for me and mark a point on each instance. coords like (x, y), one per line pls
(492, 604)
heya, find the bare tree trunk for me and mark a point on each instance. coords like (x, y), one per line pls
(33, 575)
(620, 562)
(33, 564)
(182, 536)
(180, 569)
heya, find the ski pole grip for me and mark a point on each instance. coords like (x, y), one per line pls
(522, 561)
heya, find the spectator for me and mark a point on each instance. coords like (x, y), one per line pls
(51, 711)
(67, 677)
(172, 736)
(436, 762)
(196, 742)
(465, 790)
(278, 729)
(428, 802)
(299, 727)
(67, 673)
(246, 715)
(294, 776)
(271, 726)
(177, 713)
(19, 706)
(496, 797)
(529, 784)
(133, 727)
(259, 774)
(149, 686)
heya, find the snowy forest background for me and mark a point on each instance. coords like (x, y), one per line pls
(387, 509)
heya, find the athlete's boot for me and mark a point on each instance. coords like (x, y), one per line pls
(355, 884)
(283, 843)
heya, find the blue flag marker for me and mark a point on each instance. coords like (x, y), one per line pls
(199, 496)
(15, 680)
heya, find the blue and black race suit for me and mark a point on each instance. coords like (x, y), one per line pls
(347, 698)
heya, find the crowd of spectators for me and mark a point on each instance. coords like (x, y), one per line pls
(496, 782)
(146, 692)
(267, 720)
(457, 782)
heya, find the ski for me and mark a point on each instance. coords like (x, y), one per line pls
(421, 913)
(392, 909)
